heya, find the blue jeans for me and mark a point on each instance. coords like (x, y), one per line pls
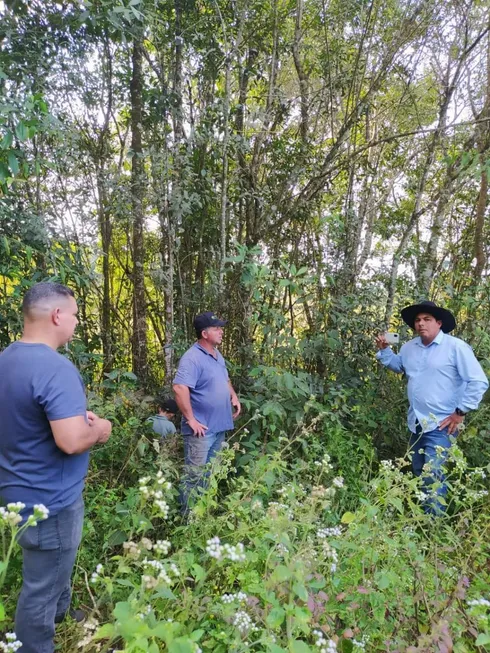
(424, 450)
(49, 552)
(198, 452)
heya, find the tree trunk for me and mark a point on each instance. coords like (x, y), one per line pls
(139, 340)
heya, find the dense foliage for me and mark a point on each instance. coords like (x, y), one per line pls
(305, 169)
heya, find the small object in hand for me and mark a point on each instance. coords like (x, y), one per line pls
(392, 338)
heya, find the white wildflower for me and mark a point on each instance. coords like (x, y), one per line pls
(323, 644)
(474, 602)
(243, 622)
(96, 575)
(12, 643)
(235, 553)
(162, 546)
(163, 507)
(16, 507)
(323, 533)
(231, 598)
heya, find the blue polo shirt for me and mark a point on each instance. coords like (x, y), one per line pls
(207, 379)
(38, 385)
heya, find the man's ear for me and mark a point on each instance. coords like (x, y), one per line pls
(55, 316)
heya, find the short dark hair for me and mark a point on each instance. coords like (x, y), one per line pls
(167, 404)
(42, 291)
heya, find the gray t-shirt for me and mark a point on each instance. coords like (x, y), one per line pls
(162, 426)
(38, 385)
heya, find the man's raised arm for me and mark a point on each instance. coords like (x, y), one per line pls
(387, 356)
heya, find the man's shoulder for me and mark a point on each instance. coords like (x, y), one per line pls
(36, 354)
(192, 354)
(413, 342)
(456, 343)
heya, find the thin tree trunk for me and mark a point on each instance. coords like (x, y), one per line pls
(140, 363)
(300, 71)
(224, 174)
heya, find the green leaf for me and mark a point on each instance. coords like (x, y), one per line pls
(397, 502)
(302, 615)
(13, 163)
(2, 612)
(104, 632)
(7, 140)
(483, 639)
(300, 590)
(122, 611)
(116, 537)
(281, 573)
(275, 617)
(166, 593)
(163, 630)
(199, 572)
(298, 646)
(196, 634)
(181, 645)
(21, 131)
(383, 582)
(348, 517)
(4, 172)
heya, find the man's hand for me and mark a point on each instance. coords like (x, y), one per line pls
(381, 341)
(235, 402)
(198, 429)
(452, 422)
(103, 425)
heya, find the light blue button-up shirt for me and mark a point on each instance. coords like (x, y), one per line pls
(442, 376)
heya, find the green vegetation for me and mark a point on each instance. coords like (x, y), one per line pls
(304, 170)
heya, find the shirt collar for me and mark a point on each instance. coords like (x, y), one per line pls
(437, 340)
(196, 344)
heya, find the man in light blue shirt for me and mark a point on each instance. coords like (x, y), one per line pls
(445, 381)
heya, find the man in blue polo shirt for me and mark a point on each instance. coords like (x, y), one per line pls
(45, 435)
(205, 397)
(445, 381)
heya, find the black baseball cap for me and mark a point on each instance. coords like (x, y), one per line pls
(208, 319)
(170, 405)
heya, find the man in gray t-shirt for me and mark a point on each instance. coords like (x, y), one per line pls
(205, 398)
(162, 426)
(45, 435)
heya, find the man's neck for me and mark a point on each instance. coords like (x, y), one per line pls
(208, 347)
(34, 337)
(426, 342)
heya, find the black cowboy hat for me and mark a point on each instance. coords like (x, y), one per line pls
(446, 317)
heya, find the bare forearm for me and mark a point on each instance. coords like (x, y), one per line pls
(75, 435)
(94, 434)
(233, 394)
(183, 399)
